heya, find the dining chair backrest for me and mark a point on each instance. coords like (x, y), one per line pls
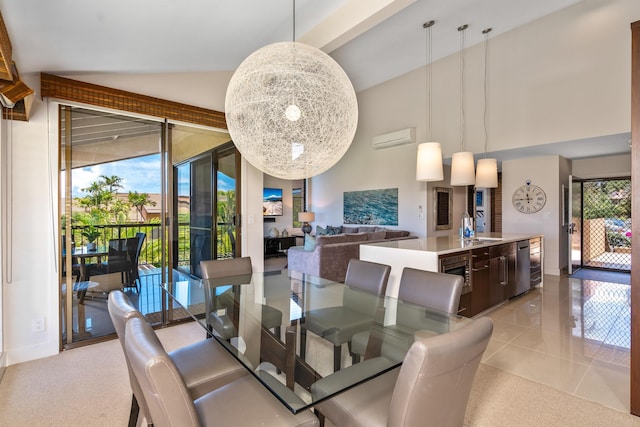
(164, 389)
(435, 379)
(370, 277)
(121, 311)
(121, 254)
(439, 291)
(140, 236)
(212, 269)
(136, 258)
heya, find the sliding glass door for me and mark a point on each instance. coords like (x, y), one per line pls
(206, 210)
(142, 202)
(110, 195)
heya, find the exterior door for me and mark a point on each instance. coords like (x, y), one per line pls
(574, 227)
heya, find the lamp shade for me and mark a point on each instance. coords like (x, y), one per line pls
(291, 110)
(429, 163)
(487, 173)
(306, 216)
(462, 169)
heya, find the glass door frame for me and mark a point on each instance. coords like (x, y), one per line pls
(212, 157)
(574, 228)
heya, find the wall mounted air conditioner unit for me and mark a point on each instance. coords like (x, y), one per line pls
(400, 137)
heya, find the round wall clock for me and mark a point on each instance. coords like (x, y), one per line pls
(529, 198)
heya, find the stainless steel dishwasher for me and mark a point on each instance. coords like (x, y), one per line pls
(523, 267)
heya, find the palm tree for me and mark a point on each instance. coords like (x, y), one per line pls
(140, 200)
(112, 182)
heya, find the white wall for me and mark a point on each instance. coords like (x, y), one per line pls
(545, 172)
(29, 282)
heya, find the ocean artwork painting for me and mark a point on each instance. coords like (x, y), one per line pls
(371, 207)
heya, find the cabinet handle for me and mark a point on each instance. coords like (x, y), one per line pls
(504, 272)
(484, 267)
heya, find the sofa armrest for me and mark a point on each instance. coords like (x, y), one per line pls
(302, 261)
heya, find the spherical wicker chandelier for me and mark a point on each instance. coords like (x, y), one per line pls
(291, 110)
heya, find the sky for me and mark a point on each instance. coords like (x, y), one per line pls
(141, 174)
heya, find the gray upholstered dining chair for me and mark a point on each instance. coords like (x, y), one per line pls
(438, 291)
(431, 387)
(204, 365)
(356, 314)
(244, 402)
(222, 324)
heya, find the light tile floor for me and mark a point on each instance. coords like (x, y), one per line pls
(570, 334)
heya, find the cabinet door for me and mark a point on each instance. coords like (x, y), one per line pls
(503, 273)
(464, 307)
(479, 281)
(512, 277)
(498, 279)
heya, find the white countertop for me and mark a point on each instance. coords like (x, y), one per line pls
(448, 244)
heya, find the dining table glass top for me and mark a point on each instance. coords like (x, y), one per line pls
(258, 318)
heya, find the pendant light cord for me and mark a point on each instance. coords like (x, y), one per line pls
(294, 21)
(486, 55)
(462, 29)
(427, 26)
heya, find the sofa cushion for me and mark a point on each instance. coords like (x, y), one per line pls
(349, 230)
(370, 229)
(394, 234)
(376, 235)
(341, 238)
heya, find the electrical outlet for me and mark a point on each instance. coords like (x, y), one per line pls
(37, 324)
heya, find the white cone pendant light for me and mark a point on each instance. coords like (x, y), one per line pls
(487, 173)
(487, 170)
(429, 167)
(462, 168)
(429, 160)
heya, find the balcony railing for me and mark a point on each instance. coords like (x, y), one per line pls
(151, 253)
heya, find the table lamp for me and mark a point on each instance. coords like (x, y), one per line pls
(305, 218)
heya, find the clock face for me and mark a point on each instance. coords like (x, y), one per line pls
(529, 199)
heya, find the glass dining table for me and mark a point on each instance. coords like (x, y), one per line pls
(258, 318)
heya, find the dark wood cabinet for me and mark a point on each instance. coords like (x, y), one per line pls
(464, 307)
(480, 280)
(502, 281)
(275, 246)
(493, 273)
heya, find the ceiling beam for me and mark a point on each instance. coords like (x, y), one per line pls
(351, 20)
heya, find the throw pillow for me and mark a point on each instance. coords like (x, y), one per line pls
(320, 231)
(309, 242)
(334, 230)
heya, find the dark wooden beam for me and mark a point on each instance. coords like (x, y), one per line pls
(87, 93)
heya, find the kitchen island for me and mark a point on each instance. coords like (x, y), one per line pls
(495, 266)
